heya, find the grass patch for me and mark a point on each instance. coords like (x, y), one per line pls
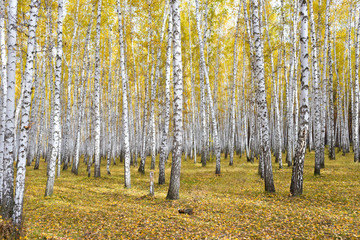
(233, 205)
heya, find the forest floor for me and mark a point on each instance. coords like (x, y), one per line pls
(233, 205)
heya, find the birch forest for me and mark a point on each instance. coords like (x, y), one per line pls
(245, 112)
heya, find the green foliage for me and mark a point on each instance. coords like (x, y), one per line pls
(232, 205)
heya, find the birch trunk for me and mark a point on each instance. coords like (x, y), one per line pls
(9, 144)
(110, 105)
(29, 73)
(145, 113)
(81, 96)
(232, 108)
(292, 81)
(261, 101)
(4, 92)
(194, 109)
(316, 95)
(42, 114)
(165, 130)
(331, 106)
(296, 187)
(355, 119)
(324, 105)
(97, 93)
(69, 107)
(125, 118)
(174, 187)
(209, 93)
(57, 121)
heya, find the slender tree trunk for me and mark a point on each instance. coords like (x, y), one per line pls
(331, 106)
(316, 95)
(29, 73)
(81, 98)
(174, 186)
(42, 114)
(356, 98)
(296, 187)
(194, 109)
(4, 92)
(145, 112)
(125, 117)
(212, 112)
(261, 101)
(67, 132)
(57, 128)
(292, 81)
(232, 108)
(165, 130)
(97, 93)
(110, 102)
(9, 131)
(324, 110)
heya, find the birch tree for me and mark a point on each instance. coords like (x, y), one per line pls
(3, 75)
(97, 92)
(166, 123)
(232, 111)
(9, 143)
(296, 187)
(174, 187)
(331, 105)
(209, 94)
(356, 98)
(56, 132)
(29, 73)
(261, 101)
(125, 118)
(316, 95)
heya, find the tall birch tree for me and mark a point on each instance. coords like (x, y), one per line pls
(57, 121)
(261, 101)
(29, 74)
(165, 130)
(9, 130)
(125, 118)
(296, 187)
(316, 90)
(97, 92)
(174, 187)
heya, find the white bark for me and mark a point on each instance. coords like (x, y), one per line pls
(194, 109)
(56, 133)
(67, 133)
(29, 73)
(209, 93)
(125, 119)
(324, 110)
(81, 95)
(4, 92)
(174, 187)
(261, 101)
(153, 92)
(165, 130)
(97, 92)
(9, 144)
(296, 187)
(233, 87)
(331, 106)
(355, 121)
(316, 95)
(110, 105)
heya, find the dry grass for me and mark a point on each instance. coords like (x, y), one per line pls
(232, 205)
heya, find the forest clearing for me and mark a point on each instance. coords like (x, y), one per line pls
(229, 206)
